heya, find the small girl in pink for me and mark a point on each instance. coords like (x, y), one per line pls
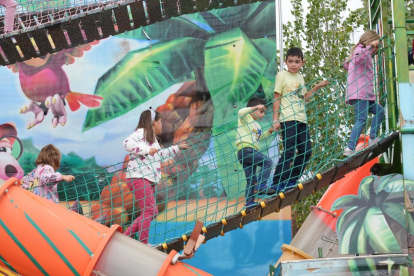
(43, 180)
(360, 88)
(144, 169)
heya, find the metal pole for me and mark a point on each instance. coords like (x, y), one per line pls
(391, 95)
(405, 90)
(281, 60)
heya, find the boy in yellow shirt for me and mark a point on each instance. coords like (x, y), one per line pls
(249, 133)
(290, 116)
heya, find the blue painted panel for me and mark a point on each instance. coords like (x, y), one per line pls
(247, 251)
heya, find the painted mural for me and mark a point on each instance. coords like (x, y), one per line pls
(197, 70)
(379, 220)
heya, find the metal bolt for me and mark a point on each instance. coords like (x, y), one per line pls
(16, 182)
(6, 191)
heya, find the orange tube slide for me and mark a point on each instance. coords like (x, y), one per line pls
(39, 237)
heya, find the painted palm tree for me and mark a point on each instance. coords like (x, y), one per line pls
(377, 220)
(224, 56)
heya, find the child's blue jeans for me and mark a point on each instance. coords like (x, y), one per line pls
(295, 135)
(250, 160)
(362, 107)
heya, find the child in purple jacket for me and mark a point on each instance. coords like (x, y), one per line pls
(360, 91)
(43, 180)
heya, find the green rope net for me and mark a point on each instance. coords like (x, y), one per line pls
(206, 182)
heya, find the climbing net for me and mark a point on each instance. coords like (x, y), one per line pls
(36, 13)
(206, 182)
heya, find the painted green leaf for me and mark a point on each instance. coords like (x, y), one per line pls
(381, 238)
(346, 202)
(143, 74)
(222, 20)
(256, 27)
(347, 235)
(267, 47)
(191, 25)
(397, 186)
(234, 69)
(366, 188)
(343, 220)
(362, 241)
(398, 213)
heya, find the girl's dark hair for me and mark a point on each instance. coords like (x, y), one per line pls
(145, 123)
(49, 155)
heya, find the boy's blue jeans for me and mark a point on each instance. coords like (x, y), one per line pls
(250, 160)
(362, 107)
(295, 136)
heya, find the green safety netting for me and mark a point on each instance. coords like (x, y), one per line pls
(206, 182)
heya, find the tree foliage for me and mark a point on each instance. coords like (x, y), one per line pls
(324, 34)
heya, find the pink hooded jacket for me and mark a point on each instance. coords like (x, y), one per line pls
(360, 75)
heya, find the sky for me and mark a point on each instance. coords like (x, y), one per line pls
(287, 15)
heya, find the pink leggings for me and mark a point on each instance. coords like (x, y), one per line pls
(144, 193)
(10, 6)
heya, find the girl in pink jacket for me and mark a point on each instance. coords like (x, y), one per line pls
(144, 169)
(360, 88)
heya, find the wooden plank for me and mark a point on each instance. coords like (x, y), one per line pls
(342, 170)
(10, 50)
(42, 41)
(272, 206)
(26, 46)
(171, 9)
(227, 3)
(138, 14)
(187, 6)
(90, 28)
(104, 20)
(154, 11)
(74, 32)
(233, 222)
(58, 37)
(202, 5)
(122, 19)
(308, 188)
(213, 230)
(2, 61)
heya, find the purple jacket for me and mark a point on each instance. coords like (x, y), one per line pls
(42, 182)
(360, 75)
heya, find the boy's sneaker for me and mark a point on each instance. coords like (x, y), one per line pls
(264, 190)
(250, 205)
(348, 152)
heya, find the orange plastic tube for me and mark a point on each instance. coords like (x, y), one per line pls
(179, 269)
(39, 237)
(348, 185)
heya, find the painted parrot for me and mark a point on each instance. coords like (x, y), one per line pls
(46, 84)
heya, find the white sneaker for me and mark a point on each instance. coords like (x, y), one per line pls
(348, 152)
(373, 142)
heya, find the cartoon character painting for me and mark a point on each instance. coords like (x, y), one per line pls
(46, 84)
(9, 167)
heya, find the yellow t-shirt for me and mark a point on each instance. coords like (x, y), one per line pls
(249, 132)
(292, 104)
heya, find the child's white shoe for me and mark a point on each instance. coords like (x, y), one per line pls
(348, 152)
(373, 141)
